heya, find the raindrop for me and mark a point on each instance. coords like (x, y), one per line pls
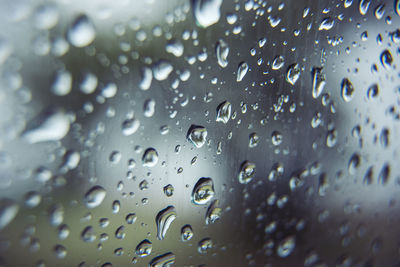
(150, 157)
(397, 7)
(32, 199)
(62, 83)
(380, 11)
(242, 71)
(119, 233)
(186, 233)
(278, 62)
(318, 82)
(326, 24)
(246, 172)
(253, 140)
(384, 174)
(384, 137)
(149, 108)
(347, 90)
(147, 77)
(162, 69)
(224, 111)
(368, 178)
(163, 221)
(213, 212)
(56, 214)
(347, 3)
(204, 245)
(331, 138)
(131, 218)
(61, 251)
(222, 52)
(175, 47)
(115, 157)
(286, 247)
(8, 210)
(203, 191)
(88, 234)
(293, 74)
(46, 17)
(206, 12)
(116, 206)
(95, 196)
(82, 32)
(197, 135)
(164, 260)
(109, 90)
(168, 190)
(372, 91)
(89, 83)
(354, 163)
(276, 138)
(386, 59)
(130, 126)
(144, 248)
(63, 231)
(363, 6)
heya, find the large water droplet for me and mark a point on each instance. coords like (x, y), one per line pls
(150, 157)
(197, 135)
(52, 126)
(164, 260)
(242, 71)
(89, 83)
(82, 32)
(203, 191)
(286, 247)
(162, 69)
(386, 59)
(8, 210)
(144, 248)
(95, 196)
(318, 82)
(347, 90)
(163, 221)
(175, 47)
(186, 233)
(206, 12)
(246, 172)
(224, 111)
(222, 52)
(293, 74)
(278, 62)
(147, 77)
(62, 83)
(213, 212)
(130, 126)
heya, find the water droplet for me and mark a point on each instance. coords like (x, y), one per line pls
(204, 245)
(246, 172)
(242, 71)
(109, 90)
(88, 234)
(116, 206)
(32, 200)
(347, 3)
(372, 91)
(197, 135)
(115, 157)
(384, 137)
(386, 59)
(149, 108)
(222, 52)
(326, 24)
(131, 218)
(354, 163)
(175, 47)
(397, 7)
(213, 212)
(119, 233)
(168, 190)
(206, 12)
(369, 176)
(82, 32)
(380, 11)
(347, 90)
(71, 161)
(130, 126)
(95, 196)
(253, 140)
(62, 83)
(293, 74)
(56, 214)
(363, 6)
(318, 82)
(147, 77)
(61, 251)
(163, 220)
(52, 126)
(164, 260)
(331, 138)
(203, 191)
(186, 233)
(278, 62)
(89, 83)
(144, 248)
(276, 138)
(384, 174)
(162, 69)
(46, 16)
(8, 210)
(286, 247)
(150, 157)
(224, 111)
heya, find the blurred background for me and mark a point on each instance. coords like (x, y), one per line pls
(199, 133)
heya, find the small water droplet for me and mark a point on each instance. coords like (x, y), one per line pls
(88, 234)
(203, 191)
(384, 174)
(246, 172)
(278, 62)
(167, 259)
(116, 206)
(205, 245)
(347, 90)
(162, 69)
(276, 138)
(397, 7)
(242, 71)
(206, 12)
(149, 108)
(147, 77)
(62, 83)
(354, 163)
(120, 232)
(364, 6)
(131, 218)
(222, 52)
(293, 74)
(8, 211)
(318, 82)
(95, 196)
(144, 248)
(224, 111)
(326, 24)
(168, 190)
(380, 11)
(253, 140)
(32, 200)
(175, 48)
(386, 59)
(372, 91)
(61, 251)
(197, 135)
(163, 221)
(150, 157)
(81, 33)
(286, 247)
(213, 212)
(130, 126)
(186, 233)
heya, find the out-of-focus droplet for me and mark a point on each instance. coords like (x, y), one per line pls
(379, 11)
(120, 232)
(95, 196)
(246, 172)
(116, 206)
(130, 126)
(150, 157)
(197, 135)
(326, 24)
(222, 52)
(253, 140)
(364, 6)
(318, 82)
(32, 199)
(52, 126)
(397, 7)
(8, 210)
(373, 91)
(56, 214)
(61, 251)
(331, 138)
(88, 234)
(82, 32)
(204, 245)
(354, 163)
(286, 247)
(384, 137)
(62, 83)
(147, 77)
(149, 107)
(167, 259)
(203, 191)
(347, 3)
(278, 62)
(46, 16)
(383, 176)
(207, 12)
(347, 91)
(162, 69)
(168, 190)
(89, 83)
(293, 74)
(115, 157)
(163, 221)
(144, 248)
(242, 71)
(213, 212)
(186, 233)
(386, 59)
(224, 111)
(63, 231)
